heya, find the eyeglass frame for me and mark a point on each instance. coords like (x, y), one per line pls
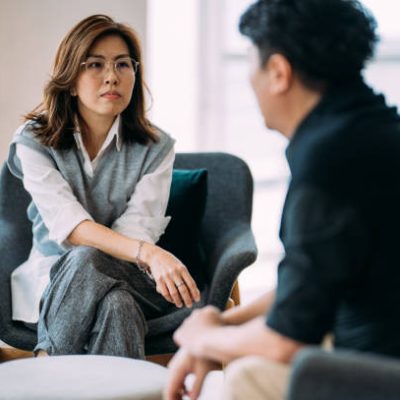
(135, 64)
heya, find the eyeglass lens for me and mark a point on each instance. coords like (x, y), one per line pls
(98, 66)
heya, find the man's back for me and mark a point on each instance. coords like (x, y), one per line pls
(340, 225)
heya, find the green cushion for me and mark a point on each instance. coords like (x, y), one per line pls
(186, 207)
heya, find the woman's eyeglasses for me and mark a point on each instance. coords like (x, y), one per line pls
(97, 66)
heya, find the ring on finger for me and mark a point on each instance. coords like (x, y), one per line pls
(180, 283)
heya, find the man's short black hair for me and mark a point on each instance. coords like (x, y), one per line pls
(326, 41)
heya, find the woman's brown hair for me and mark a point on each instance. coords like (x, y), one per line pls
(56, 115)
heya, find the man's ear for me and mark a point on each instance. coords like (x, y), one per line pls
(280, 73)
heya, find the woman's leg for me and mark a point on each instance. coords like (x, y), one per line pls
(81, 310)
(120, 327)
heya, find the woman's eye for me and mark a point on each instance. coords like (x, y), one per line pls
(95, 65)
(122, 64)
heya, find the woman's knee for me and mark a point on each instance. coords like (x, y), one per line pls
(119, 302)
(120, 305)
(84, 258)
(84, 254)
(80, 264)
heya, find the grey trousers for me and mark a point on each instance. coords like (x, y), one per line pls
(97, 304)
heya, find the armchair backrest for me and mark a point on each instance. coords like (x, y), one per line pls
(14, 201)
(229, 198)
(15, 245)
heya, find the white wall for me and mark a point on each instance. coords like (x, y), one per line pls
(30, 32)
(174, 69)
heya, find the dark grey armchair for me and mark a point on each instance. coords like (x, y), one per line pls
(344, 375)
(226, 239)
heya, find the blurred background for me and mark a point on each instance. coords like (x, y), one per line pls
(196, 68)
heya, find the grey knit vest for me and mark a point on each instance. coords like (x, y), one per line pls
(105, 195)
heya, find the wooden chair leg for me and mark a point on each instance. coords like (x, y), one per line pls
(234, 299)
(10, 353)
(161, 359)
(235, 294)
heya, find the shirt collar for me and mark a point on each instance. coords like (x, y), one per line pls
(113, 132)
(332, 109)
(341, 107)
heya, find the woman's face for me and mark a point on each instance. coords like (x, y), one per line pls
(104, 88)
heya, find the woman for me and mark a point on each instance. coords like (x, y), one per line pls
(99, 175)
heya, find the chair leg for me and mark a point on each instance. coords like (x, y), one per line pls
(235, 294)
(10, 353)
(161, 359)
(234, 299)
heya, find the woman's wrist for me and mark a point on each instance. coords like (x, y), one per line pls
(143, 257)
(139, 256)
(144, 254)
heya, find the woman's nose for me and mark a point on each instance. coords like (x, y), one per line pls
(110, 76)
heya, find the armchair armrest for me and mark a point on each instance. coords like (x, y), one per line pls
(343, 375)
(234, 251)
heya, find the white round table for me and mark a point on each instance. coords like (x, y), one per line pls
(81, 377)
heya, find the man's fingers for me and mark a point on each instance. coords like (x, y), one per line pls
(176, 386)
(198, 383)
(178, 371)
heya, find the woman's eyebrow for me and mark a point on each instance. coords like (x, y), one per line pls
(115, 58)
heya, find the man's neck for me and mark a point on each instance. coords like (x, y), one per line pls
(300, 105)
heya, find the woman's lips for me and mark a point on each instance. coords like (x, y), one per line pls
(111, 95)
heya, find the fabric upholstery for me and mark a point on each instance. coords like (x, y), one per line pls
(344, 375)
(82, 377)
(186, 207)
(15, 245)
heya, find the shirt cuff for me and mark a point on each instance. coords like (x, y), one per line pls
(148, 229)
(66, 221)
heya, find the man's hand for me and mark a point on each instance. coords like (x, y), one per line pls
(195, 329)
(180, 367)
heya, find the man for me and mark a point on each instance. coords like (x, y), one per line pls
(341, 217)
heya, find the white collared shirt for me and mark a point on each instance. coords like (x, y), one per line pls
(143, 219)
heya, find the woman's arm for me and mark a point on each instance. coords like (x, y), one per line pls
(59, 208)
(144, 217)
(172, 278)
